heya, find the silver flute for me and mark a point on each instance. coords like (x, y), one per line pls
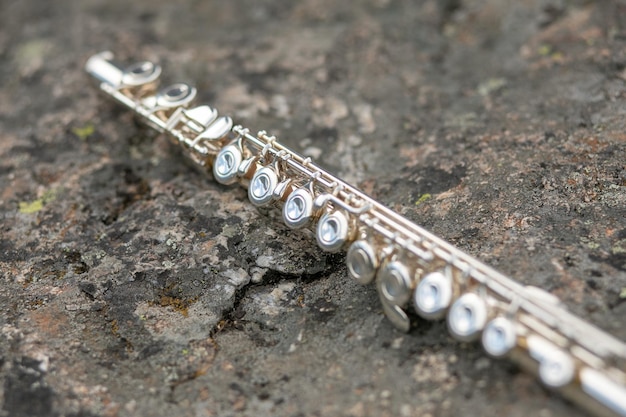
(411, 267)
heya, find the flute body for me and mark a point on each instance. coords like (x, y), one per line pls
(411, 268)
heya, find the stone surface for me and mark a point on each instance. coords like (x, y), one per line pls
(133, 284)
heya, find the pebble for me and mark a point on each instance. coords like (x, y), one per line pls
(279, 104)
(482, 364)
(257, 274)
(397, 343)
(265, 261)
(312, 151)
(237, 277)
(365, 119)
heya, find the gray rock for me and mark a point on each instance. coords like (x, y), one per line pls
(134, 285)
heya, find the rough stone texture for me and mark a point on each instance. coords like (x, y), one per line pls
(134, 285)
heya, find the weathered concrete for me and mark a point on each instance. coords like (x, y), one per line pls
(134, 285)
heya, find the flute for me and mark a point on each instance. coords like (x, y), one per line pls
(411, 267)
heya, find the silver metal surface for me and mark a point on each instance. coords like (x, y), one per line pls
(203, 115)
(362, 261)
(218, 129)
(140, 73)
(499, 337)
(395, 283)
(604, 390)
(226, 164)
(467, 317)
(175, 95)
(298, 208)
(556, 368)
(262, 185)
(433, 295)
(332, 231)
(101, 67)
